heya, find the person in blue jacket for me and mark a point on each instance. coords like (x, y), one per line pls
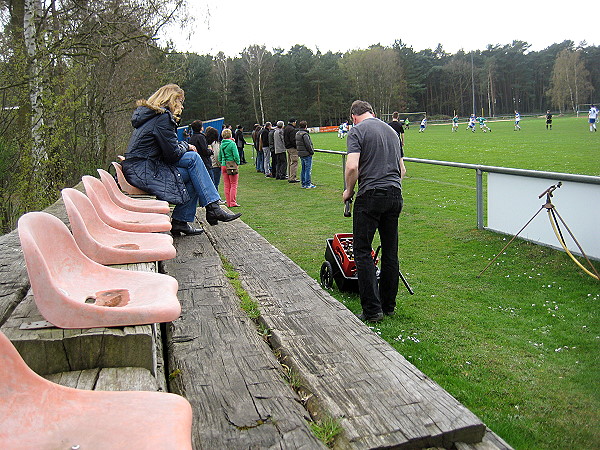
(159, 164)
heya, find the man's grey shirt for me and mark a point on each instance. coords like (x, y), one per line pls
(380, 153)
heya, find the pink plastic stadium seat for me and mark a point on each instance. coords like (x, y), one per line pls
(107, 245)
(132, 204)
(131, 190)
(39, 414)
(120, 218)
(72, 291)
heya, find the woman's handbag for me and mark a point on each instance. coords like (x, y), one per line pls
(232, 167)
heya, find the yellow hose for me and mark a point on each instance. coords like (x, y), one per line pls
(562, 242)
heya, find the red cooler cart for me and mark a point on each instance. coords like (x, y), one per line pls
(339, 264)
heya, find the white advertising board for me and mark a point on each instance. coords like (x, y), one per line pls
(513, 201)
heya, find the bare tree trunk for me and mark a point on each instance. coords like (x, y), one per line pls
(260, 94)
(36, 90)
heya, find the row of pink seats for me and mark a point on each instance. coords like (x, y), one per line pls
(73, 288)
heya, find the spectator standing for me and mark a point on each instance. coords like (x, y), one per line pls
(280, 152)
(375, 161)
(212, 140)
(229, 152)
(240, 142)
(289, 139)
(225, 127)
(264, 144)
(198, 140)
(259, 153)
(397, 126)
(272, 150)
(172, 171)
(305, 152)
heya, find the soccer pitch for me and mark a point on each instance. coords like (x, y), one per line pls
(569, 147)
(518, 346)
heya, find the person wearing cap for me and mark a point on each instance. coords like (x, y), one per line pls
(289, 139)
(374, 161)
(306, 151)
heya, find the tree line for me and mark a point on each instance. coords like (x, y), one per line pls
(265, 85)
(71, 70)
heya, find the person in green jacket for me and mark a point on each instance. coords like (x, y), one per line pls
(229, 152)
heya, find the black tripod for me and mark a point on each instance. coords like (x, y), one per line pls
(553, 215)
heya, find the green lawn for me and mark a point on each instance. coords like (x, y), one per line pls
(519, 346)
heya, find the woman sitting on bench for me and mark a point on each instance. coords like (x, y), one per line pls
(171, 170)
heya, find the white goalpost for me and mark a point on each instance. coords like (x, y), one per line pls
(584, 108)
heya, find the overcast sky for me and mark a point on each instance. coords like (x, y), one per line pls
(232, 25)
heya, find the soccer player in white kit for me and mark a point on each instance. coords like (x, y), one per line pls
(593, 117)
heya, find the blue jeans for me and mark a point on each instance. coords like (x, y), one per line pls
(267, 160)
(199, 185)
(260, 161)
(377, 209)
(216, 175)
(305, 173)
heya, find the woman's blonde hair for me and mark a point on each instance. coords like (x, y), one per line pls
(226, 133)
(169, 96)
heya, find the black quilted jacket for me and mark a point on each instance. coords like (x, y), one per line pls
(152, 153)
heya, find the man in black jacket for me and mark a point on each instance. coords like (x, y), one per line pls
(289, 139)
(198, 140)
(240, 142)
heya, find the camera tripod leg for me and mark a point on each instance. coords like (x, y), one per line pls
(552, 214)
(411, 292)
(510, 242)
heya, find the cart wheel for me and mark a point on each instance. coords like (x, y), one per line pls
(326, 275)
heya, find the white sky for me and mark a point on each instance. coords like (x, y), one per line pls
(232, 25)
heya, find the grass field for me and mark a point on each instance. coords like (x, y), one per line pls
(519, 346)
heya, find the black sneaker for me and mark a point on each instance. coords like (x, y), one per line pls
(374, 319)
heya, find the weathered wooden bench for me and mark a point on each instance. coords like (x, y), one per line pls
(347, 371)
(234, 379)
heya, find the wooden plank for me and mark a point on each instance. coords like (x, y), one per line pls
(491, 441)
(380, 398)
(77, 379)
(220, 364)
(53, 350)
(126, 379)
(110, 379)
(14, 282)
